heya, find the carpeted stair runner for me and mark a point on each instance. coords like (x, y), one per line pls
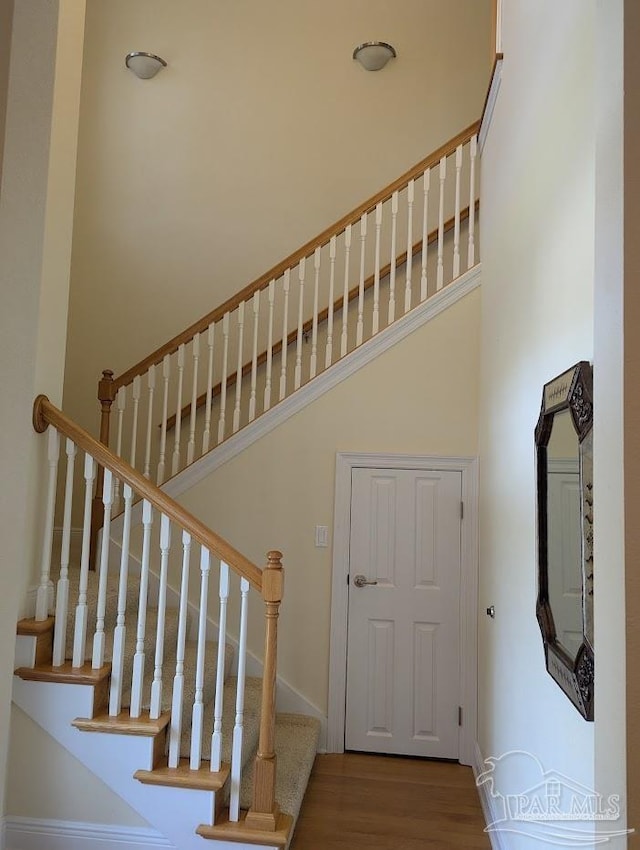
(296, 735)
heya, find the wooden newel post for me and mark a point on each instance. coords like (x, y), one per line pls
(106, 395)
(264, 810)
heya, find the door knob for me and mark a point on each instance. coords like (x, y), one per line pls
(361, 581)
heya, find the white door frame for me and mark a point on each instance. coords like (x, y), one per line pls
(468, 467)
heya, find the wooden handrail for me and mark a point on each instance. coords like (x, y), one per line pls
(290, 261)
(45, 413)
(322, 315)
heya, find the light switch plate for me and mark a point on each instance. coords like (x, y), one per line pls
(322, 536)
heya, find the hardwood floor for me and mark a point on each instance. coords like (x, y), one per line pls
(385, 803)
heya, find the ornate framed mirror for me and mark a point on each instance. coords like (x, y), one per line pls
(564, 461)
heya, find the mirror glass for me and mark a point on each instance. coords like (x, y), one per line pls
(564, 533)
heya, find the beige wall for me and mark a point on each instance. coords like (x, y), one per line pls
(420, 397)
(62, 788)
(6, 16)
(259, 134)
(36, 205)
(272, 496)
(538, 199)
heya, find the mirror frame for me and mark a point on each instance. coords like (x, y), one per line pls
(572, 391)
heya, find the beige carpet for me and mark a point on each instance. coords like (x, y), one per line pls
(296, 735)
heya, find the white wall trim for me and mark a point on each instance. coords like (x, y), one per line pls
(291, 701)
(36, 834)
(288, 699)
(28, 609)
(492, 97)
(468, 467)
(498, 840)
(324, 382)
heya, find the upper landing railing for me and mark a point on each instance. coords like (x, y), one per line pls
(388, 255)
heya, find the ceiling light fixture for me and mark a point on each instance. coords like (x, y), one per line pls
(144, 65)
(374, 55)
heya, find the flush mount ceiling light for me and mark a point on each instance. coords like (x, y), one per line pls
(374, 55)
(144, 65)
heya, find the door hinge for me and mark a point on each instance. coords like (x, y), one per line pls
(347, 578)
(459, 715)
(461, 510)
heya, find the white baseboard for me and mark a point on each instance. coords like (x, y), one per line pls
(28, 609)
(291, 701)
(498, 840)
(288, 699)
(36, 834)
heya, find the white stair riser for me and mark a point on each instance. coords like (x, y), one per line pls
(175, 812)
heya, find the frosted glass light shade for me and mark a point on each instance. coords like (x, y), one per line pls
(374, 55)
(144, 65)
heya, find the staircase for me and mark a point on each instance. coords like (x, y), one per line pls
(139, 668)
(296, 736)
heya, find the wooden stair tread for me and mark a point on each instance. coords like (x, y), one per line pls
(226, 830)
(66, 674)
(183, 777)
(123, 724)
(35, 627)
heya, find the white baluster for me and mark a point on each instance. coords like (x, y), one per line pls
(151, 386)
(238, 729)
(328, 357)
(175, 461)
(197, 715)
(53, 453)
(195, 353)
(375, 322)
(206, 436)
(62, 595)
(471, 253)
(156, 685)
(298, 370)
(97, 659)
(254, 356)
(426, 178)
(139, 657)
(175, 731)
(80, 630)
(409, 262)
(363, 247)
(121, 402)
(236, 409)
(135, 392)
(440, 268)
(285, 323)
(345, 294)
(313, 362)
(223, 386)
(456, 219)
(117, 666)
(392, 273)
(267, 386)
(166, 373)
(216, 738)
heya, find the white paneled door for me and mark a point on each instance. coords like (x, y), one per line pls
(403, 653)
